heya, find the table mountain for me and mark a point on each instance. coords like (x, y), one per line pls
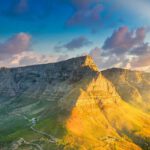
(67, 105)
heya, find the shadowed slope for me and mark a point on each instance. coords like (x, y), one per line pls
(100, 114)
(73, 102)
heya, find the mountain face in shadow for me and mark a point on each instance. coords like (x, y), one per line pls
(71, 105)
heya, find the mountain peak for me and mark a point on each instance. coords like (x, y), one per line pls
(73, 99)
(21, 78)
(72, 63)
(88, 61)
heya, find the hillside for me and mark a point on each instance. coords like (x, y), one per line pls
(67, 105)
(132, 86)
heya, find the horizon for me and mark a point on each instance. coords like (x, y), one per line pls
(115, 33)
(65, 60)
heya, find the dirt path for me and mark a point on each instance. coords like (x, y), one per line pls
(51, 138)
(22, 141)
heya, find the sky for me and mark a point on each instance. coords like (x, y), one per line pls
(114, 32)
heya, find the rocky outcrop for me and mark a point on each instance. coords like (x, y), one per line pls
(132, 86)
(99, 112)
(36, 81)
(76, 95)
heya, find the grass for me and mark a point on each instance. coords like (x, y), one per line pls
(52, 126)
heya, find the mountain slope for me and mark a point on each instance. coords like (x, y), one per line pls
(100, 113)
(67, 105)
(133, 86)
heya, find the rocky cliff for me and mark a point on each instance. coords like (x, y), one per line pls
(67, 105)
(132, 86)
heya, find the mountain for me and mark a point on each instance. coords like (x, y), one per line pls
(67, 105)
(132, 86)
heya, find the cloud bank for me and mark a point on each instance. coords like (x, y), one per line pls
(124, 48)
(17, 51)
(74, 44)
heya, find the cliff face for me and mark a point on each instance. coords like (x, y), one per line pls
(100, 113)
(132, 86)
(15, 81)
(72, 101)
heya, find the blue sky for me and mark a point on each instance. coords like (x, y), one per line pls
(46, 27)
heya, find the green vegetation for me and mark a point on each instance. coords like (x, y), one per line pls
(72, 109)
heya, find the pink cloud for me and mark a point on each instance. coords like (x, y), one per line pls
(16, 51)
(87, 12)
(123, 40)
(15, 45)
(143, 61)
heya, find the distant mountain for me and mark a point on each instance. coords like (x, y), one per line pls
(132, 86)
(68, 105)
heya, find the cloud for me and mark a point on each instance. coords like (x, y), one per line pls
(31, 58)
(109, 61)
(15, 45)
(86, 12)
(96, 54)
(141, 50)
(17, 51)
(123, 40)
(143, 61)
(78, 42)
(96, 14)
(62, 57)
(75, 43)
(27, 9)
(125, 49)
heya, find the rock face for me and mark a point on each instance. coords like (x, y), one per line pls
(132, 86)
(71, 101)
(16, 81)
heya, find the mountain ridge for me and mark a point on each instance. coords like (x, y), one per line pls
(133, 86)
(124, 69)
(73, 102)
(81, 59)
